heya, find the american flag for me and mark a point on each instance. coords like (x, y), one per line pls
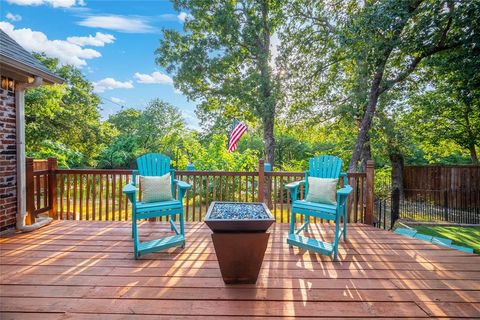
(237, 130)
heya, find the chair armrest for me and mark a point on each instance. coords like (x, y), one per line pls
(182, 184)
(345, 191)
(183, 187)
(293, 188)
(294, 184)
(129, 189)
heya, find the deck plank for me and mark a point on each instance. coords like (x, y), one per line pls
(86, 270)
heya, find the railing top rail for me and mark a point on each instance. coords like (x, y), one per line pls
(200, 173)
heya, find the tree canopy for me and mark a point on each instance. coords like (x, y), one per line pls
(391, 80)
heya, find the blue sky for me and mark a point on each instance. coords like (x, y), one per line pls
(112, 42)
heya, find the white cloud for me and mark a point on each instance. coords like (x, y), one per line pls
(118, 23)
(13, 17)
(35, 41)
(110, 84)
(155, 77)
(117, 100)
(182, 16)
(53, 3)
(99, 40)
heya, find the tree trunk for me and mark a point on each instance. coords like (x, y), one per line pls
(473, 154)
(397, 161)
(267, 103)
(366, 154)
(368, 116)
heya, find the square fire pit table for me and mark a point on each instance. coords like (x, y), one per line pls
(240, 238)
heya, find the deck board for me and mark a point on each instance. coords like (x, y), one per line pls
(86, 270)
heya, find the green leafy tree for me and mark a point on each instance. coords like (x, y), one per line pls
(66, 115)
(363, 50)
(223, 60)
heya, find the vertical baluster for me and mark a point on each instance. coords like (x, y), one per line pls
(188, 200)
(120, 193)
(114, 185)
(107, 197)
(281, 198)
(246, 188)
(226, 189)
(127, 181)
(68, 196)
(220, 198)
(94, 196)
(207, 191)
(45, 190)
(275, 198)
(194, 196)
(200, 197)
(38, 192)
(288, 207)
(75, 214)
(355, 198)
(81, 196)
(87, 200)
(100, 196)
(253, 189)
(62, 188)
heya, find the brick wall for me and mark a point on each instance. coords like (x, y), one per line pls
(8, 187)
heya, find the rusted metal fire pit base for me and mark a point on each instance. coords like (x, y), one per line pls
(240, 255)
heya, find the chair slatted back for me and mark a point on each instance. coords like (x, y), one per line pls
(153, 164)
(324, 166)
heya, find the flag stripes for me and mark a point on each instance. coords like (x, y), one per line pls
(238, 129)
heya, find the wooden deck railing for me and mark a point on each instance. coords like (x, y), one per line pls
(92, 194)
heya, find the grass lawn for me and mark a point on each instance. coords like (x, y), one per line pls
(463, 236)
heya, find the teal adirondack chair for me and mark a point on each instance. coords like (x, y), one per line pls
(155, 164)
(321, 167)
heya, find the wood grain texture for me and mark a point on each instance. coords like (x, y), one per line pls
(86, 270)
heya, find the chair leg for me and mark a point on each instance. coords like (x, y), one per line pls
(135, 238)
(172, 218)
(182, 227)
(337, 238)
(345, 224)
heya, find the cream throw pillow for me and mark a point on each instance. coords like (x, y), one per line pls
(155, 189)
(322, 190)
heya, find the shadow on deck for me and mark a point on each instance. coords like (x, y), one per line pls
(82, 269)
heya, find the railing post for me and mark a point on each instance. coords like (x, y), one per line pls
(261, 179)
(370, 171)
(29, 191)
(52, 187)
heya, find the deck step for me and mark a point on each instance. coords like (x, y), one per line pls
(461, 248)
(160, 244)
(423, 237)
(325, 248)
(406, 232)
(441, 241)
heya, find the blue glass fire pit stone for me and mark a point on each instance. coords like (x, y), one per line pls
(238, 217)
(238, 211)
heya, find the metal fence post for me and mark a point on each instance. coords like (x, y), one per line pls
(445, 205)
(370, 172)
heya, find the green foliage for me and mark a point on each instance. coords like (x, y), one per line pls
(419, 59)
(67, 114)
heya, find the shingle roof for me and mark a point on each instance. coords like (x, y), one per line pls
(11, 50)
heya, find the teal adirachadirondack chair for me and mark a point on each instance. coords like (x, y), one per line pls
(324, 166)
(154, 164)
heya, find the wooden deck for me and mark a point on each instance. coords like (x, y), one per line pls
(86, 270)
